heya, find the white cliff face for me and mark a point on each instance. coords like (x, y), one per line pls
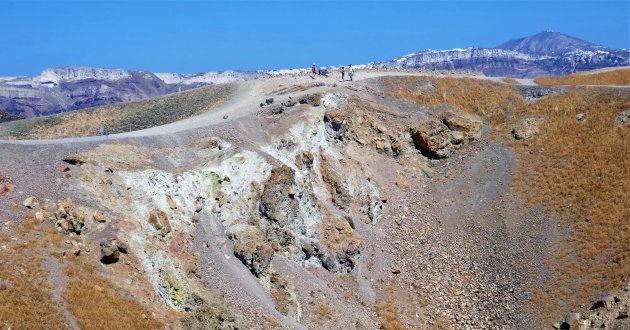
(207, 78)
(446, 56)
(73, 73)
(505, 62)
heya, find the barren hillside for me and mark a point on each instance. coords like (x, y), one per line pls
(397, 201)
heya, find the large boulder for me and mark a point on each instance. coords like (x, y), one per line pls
(470, 126)
(527, 128)
(159, 220)
(433, 138)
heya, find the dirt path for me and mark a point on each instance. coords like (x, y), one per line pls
(244, 102)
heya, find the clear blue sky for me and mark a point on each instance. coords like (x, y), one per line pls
(195, 36)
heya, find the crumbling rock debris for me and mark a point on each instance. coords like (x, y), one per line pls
(340, 245)
(160, 221)
(251, 248)
(469, 126)
(68, 219)
(275, 203)
(433, 138)
(304, 160)
(526, 128)
(284, 297)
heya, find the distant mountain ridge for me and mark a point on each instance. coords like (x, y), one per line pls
(71, 88)
(547, 42)
(545, 53)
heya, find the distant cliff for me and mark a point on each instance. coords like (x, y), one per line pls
(546, 53)
(71, 88)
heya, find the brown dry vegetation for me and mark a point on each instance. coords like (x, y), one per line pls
(95, 304)
(25, 293)
(481, 97)
(388, 312)
(117, 118)
(578, 170)
(27, 286)
(614, 77)
(583, 174)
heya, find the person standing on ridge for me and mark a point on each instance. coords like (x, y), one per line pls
(350, 71)
(313, 71)
(343, 73)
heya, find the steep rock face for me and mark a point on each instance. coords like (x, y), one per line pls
(546, 53)
(72, 73)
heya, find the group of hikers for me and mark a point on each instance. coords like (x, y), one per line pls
(342, 70)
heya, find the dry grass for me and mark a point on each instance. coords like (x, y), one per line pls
(577, 170)
(614, 77)
(28, 285)
(117, 118)
(485, 98)
(583, 174)
(388, 308)
(25, 292)
(95, 304)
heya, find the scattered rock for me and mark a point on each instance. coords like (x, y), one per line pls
(159, 220)
(31, 202)
(171, 203)
(623, 118)
(109, 252)
(335, 118)
(278, 110)
(526, 128)
(269, 101)
(571, 321)
(98, 216)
